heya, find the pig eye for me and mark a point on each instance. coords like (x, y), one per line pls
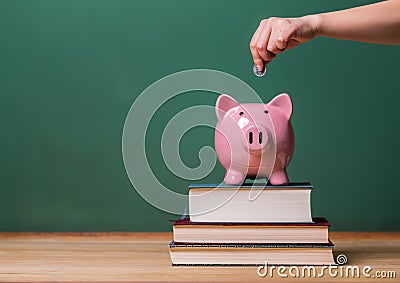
(266, 111)
(241, 114)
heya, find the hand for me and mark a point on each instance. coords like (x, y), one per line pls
(275, 35)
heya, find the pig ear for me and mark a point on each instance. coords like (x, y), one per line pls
(223, 104)
(283, 102)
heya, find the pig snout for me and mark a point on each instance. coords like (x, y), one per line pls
(256, 138)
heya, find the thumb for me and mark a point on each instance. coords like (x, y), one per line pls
(278, 41)
(281, 42)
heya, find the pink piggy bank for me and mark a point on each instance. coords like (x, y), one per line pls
(254, 140)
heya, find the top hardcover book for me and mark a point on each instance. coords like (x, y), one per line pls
(250, 203)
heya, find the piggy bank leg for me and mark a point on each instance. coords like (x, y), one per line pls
(234, 177)
(279, 177)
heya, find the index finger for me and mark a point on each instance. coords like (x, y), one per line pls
(258, 61)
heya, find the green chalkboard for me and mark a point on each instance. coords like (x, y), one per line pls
(70, 71)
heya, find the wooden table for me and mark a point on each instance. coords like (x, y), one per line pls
(145, 257)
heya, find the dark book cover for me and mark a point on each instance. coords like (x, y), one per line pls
(238, 265)
(317, 221)
(300, 185)
(330, 245)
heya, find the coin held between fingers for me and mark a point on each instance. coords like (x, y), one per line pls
(259, 73)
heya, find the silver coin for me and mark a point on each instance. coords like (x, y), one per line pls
(258, 73)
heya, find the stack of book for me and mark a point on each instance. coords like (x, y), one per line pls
(251, 225)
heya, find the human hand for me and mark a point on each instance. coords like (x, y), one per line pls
(275, 35)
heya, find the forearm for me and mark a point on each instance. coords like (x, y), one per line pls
(375, 23)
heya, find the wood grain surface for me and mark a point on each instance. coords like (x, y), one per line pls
(83, 257)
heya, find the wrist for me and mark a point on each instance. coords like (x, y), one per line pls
(315, 23)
